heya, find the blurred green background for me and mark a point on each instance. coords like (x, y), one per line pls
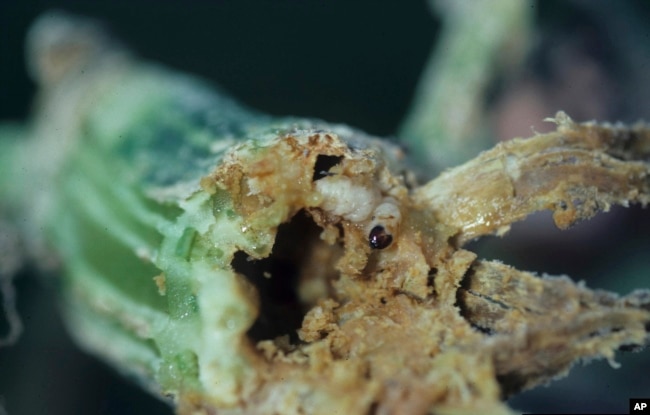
(357, 62)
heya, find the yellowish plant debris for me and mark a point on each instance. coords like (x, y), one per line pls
(304, 270)
(423, 325)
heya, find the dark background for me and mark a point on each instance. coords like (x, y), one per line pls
(357, 62)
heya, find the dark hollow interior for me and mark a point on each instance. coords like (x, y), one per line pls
(277, 278)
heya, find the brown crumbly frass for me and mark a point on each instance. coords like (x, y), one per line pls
(422, 325)
(243, 264)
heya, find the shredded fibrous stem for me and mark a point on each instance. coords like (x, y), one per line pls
(239, 263)
(577, 171)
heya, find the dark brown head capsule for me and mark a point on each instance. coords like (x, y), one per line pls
(379, 238)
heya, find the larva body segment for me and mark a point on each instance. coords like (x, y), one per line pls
(240, 263)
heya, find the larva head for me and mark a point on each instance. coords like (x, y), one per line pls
(379, 238)
(384, 224)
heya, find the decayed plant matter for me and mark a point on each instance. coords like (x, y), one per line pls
(423, 324)
(239, 263)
